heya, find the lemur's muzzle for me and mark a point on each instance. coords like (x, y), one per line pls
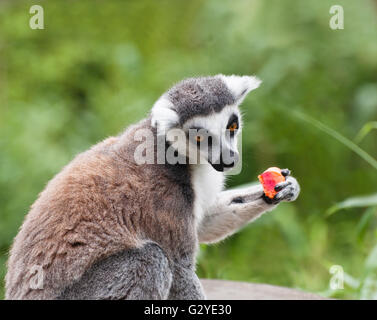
(226, 162)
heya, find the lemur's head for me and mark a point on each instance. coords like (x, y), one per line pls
(201, 119)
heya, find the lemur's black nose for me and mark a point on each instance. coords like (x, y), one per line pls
(230, 165)
(224, 164)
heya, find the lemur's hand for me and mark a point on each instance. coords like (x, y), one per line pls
(287, 190)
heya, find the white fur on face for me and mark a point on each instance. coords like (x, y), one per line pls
(216, 125)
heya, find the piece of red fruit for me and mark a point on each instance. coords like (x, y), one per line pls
(269, 179)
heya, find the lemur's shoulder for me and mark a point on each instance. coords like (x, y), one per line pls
(70, 225)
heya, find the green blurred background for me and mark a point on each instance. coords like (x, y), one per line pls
(98, 66)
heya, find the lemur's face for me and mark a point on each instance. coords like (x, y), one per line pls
(213, 138)
(201, 119)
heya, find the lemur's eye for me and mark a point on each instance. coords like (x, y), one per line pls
(199, 138)
(233, 124)
(233, 127)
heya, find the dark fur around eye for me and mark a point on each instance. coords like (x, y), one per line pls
(233, 119)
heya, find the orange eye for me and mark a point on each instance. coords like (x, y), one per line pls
(233, 127)
(199, 138)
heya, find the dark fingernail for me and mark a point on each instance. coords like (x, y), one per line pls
(282, 185)
(267, 199)
(277, 197)
(285, 172)
(278, 187)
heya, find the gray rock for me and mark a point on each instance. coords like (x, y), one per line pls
(235, 290)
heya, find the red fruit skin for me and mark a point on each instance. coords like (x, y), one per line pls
(269, 179)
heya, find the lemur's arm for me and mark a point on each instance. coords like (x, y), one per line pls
(235, 208)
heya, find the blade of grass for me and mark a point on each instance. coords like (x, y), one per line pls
(371, 261)
(354, 202)
(369, 126)
(345, 141)
(364, 223)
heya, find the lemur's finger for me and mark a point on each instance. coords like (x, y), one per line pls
(269, 200)
(285, 194)
(285, 172)
(282, 185)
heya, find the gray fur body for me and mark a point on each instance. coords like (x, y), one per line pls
(149, 276)
(108, 228)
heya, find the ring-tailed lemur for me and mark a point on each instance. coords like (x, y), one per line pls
(107, 227)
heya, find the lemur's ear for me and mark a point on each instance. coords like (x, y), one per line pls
(163, 115)
(240, 86)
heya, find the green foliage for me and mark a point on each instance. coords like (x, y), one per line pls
(348, 143)
(98, 66)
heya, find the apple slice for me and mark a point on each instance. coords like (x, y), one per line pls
(269, 179)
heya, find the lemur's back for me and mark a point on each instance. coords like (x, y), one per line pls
(98, 205)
